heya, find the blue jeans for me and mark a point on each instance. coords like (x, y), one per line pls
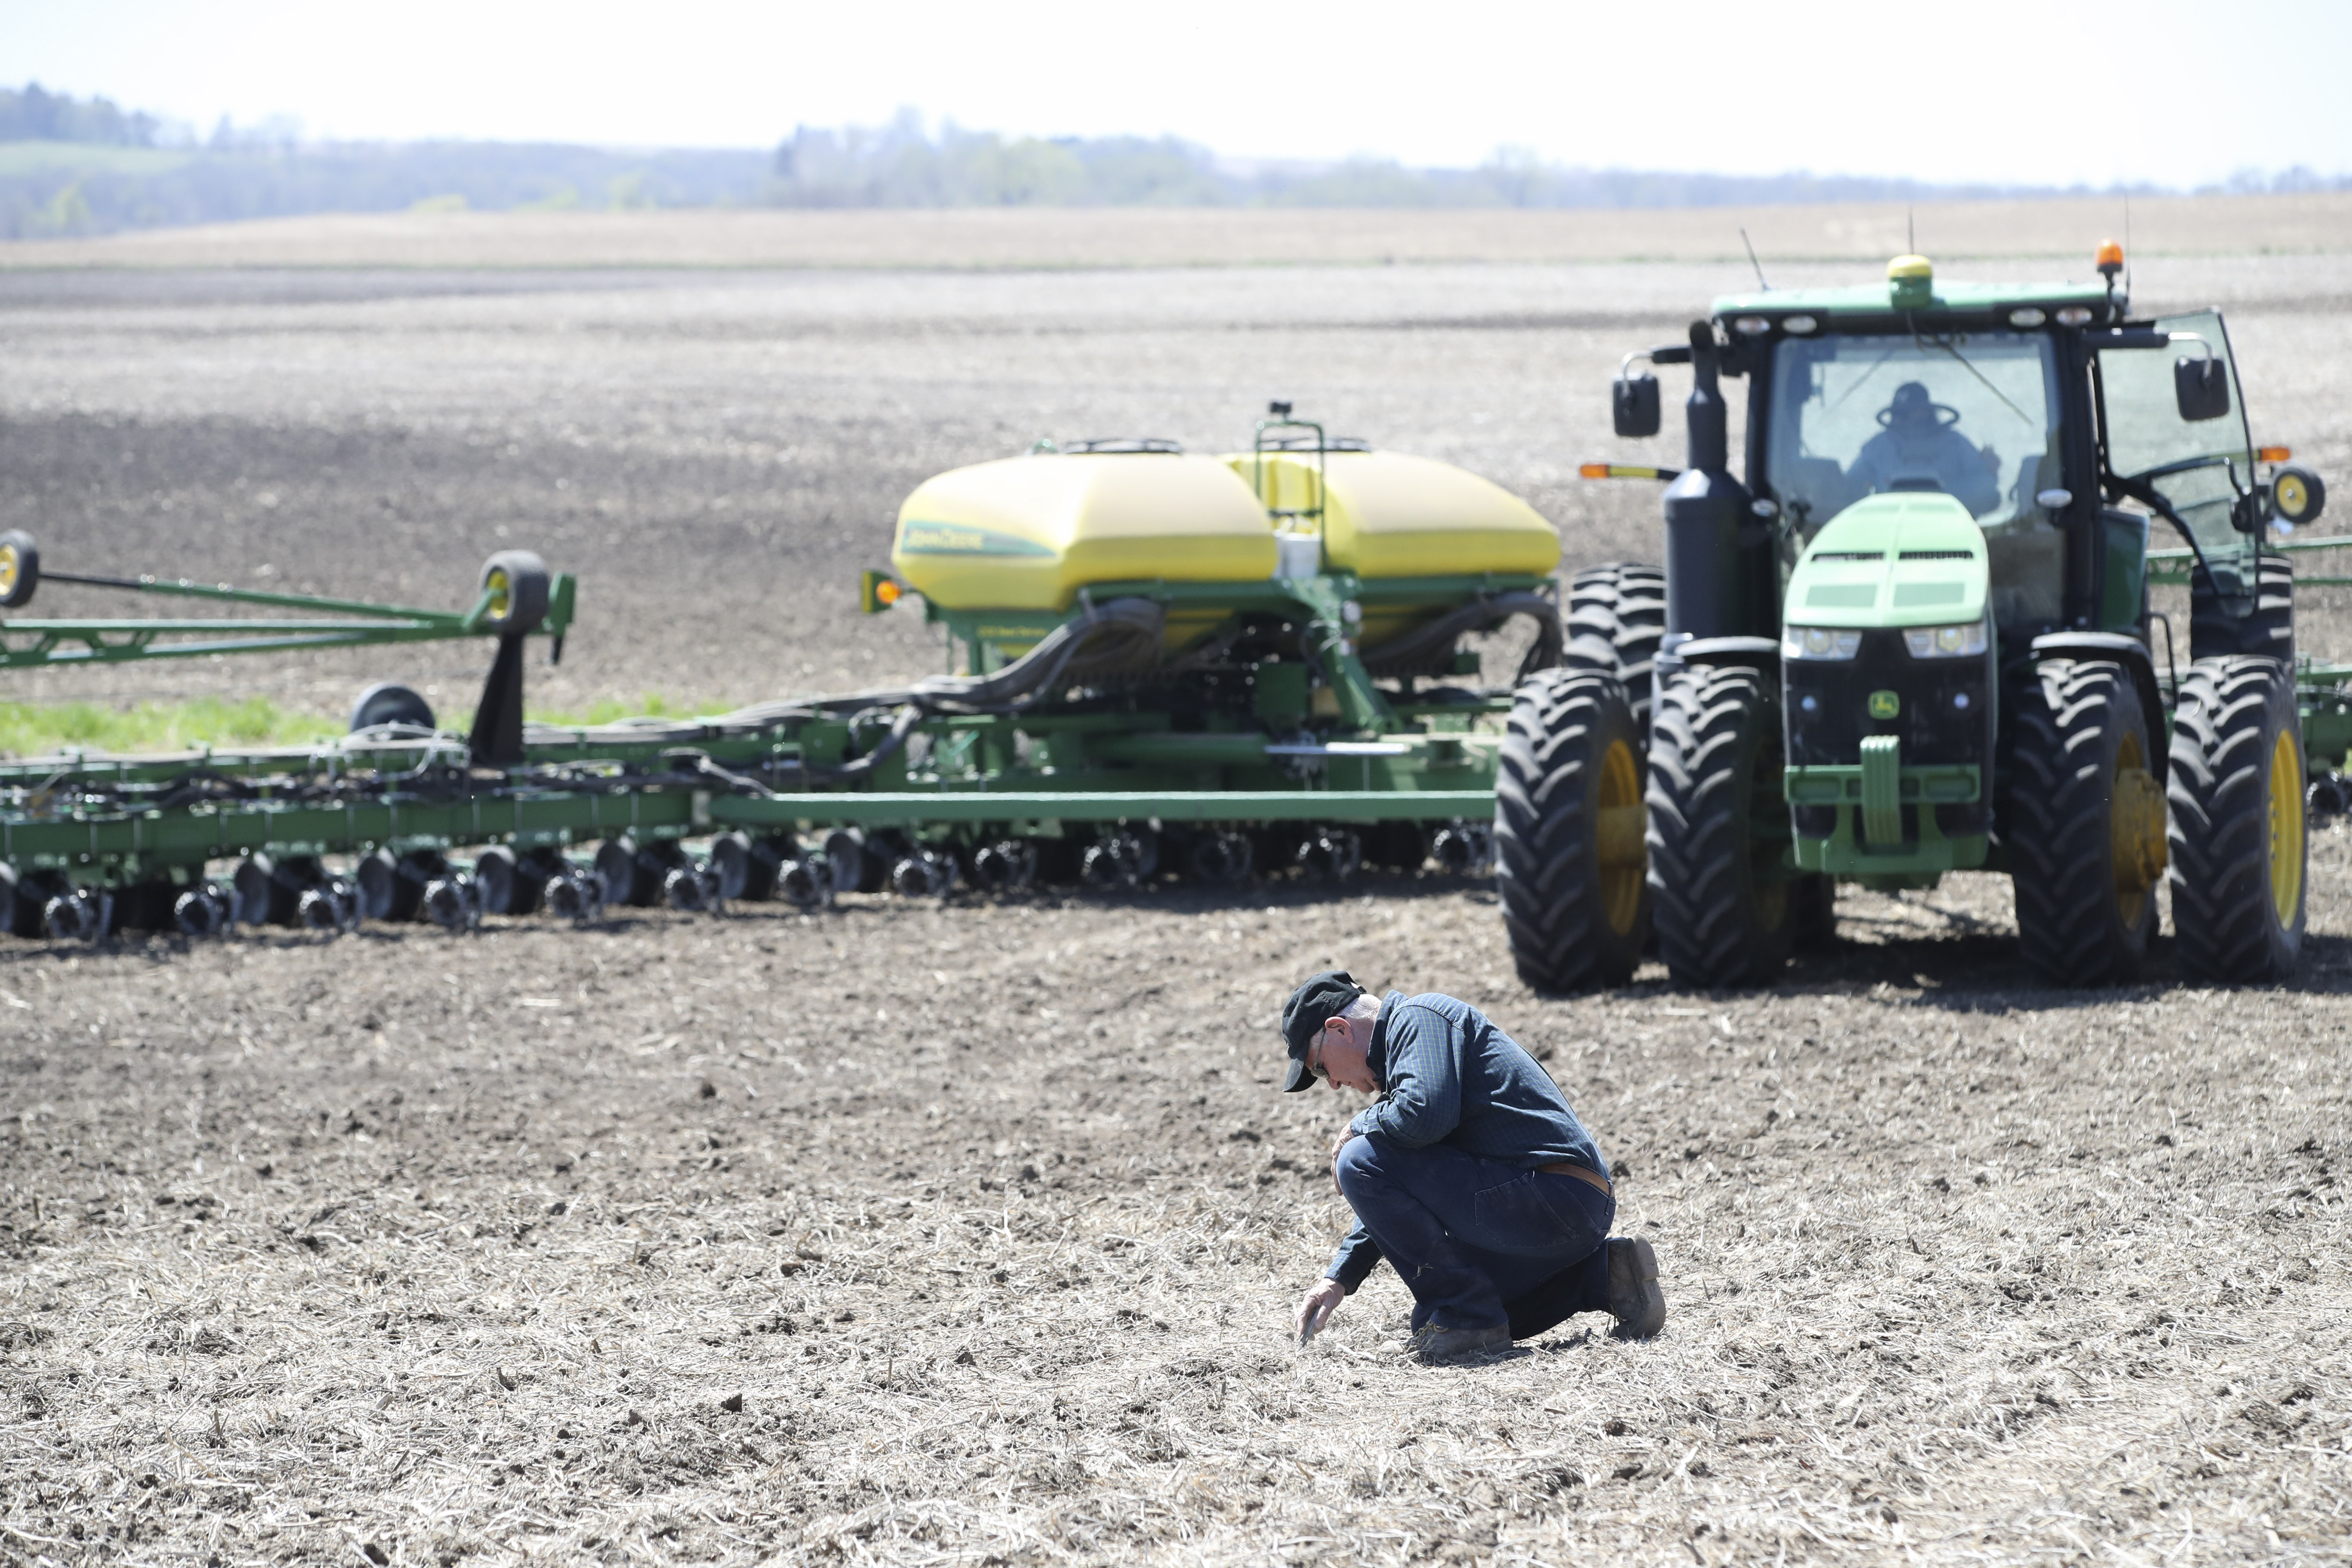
(1479, 1242)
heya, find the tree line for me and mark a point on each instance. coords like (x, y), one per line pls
(71, 166)
(35, 114)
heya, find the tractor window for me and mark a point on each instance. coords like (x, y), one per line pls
(1974, 414)
(2197, 466)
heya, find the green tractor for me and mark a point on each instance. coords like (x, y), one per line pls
(1917, 639)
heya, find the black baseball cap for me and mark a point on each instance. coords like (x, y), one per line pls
(1323, 997)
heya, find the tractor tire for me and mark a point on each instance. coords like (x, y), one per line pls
(1568, 860)
(389, 702)
(2241, 851)
(20, 903)
(2214, 633)
(1726, 911)
(518, 585)
(20, 569)
(1616, 616)
(2082, 823)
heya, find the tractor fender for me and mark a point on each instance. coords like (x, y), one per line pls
(1752, 653)
(2133, 655)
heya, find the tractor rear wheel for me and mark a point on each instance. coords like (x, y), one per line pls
(1569, 857)
(2083, 823)
(2269, 630)
(1616, 615)
(1726, 909)
(2238, 838)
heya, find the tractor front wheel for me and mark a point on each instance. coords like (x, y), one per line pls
(2085, 824)
(1569, 858)
(1727, 909)
(2239, 838)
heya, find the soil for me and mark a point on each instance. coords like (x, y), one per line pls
(923, 1231)
(1086, 239)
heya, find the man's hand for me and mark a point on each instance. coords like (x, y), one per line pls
(1337, 1144)
(1316, 1308)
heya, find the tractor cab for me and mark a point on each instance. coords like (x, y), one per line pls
(2058, 423)
(1893, 645)
(1851, 416)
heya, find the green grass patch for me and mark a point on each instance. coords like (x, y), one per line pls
(648, 705)
(32, 729)
(88, 158)
(39, 730)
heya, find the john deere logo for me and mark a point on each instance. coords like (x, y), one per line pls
(1885, 704)
(915, 538)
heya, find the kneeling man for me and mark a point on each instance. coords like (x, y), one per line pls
(1469, 1174)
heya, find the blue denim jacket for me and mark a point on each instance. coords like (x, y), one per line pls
(1447, 1075)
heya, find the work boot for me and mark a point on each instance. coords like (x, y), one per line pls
(1436, 1346)
(1634, 1299)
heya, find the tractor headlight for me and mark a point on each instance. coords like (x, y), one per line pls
(1945, 642)
(1820, 642)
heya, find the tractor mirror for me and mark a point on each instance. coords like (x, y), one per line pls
(1633, 405)
(2201, 387)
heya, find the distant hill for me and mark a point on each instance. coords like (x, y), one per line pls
(79, 167)
(57, 189)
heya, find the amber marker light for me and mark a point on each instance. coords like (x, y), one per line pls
(877, 591)
(2274, 454)
(2110, 258)
(1594, 471)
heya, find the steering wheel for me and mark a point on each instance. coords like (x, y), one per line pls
(1946, 416)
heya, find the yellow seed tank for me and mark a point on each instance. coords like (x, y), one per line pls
(1027, 534)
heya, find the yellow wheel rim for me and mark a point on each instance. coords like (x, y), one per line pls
(2135, 831)
(1623, 852)
(2286, 828)
(7, 570)
(501, 594)
(2288, 495)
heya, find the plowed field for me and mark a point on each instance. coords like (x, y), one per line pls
(968, 1232)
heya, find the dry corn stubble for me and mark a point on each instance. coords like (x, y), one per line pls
(916, 1234)
(747, 1248)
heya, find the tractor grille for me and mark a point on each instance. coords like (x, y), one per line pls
(1944, 706)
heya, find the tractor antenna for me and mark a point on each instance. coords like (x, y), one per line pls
(1911, 229)
(2127, 246)
(1750, 244)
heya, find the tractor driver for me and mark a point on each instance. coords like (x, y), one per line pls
(1469, 1174)
(1919, 449)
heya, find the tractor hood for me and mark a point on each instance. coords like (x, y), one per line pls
(1902, 560)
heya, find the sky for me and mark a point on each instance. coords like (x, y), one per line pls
(2009, 91)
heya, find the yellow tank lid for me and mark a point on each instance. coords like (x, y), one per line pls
(1026, 533)
(1390, 515)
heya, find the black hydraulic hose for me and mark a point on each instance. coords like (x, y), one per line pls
(889, 746)
(1428, 650)
(200, 785)
(1122, 637)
